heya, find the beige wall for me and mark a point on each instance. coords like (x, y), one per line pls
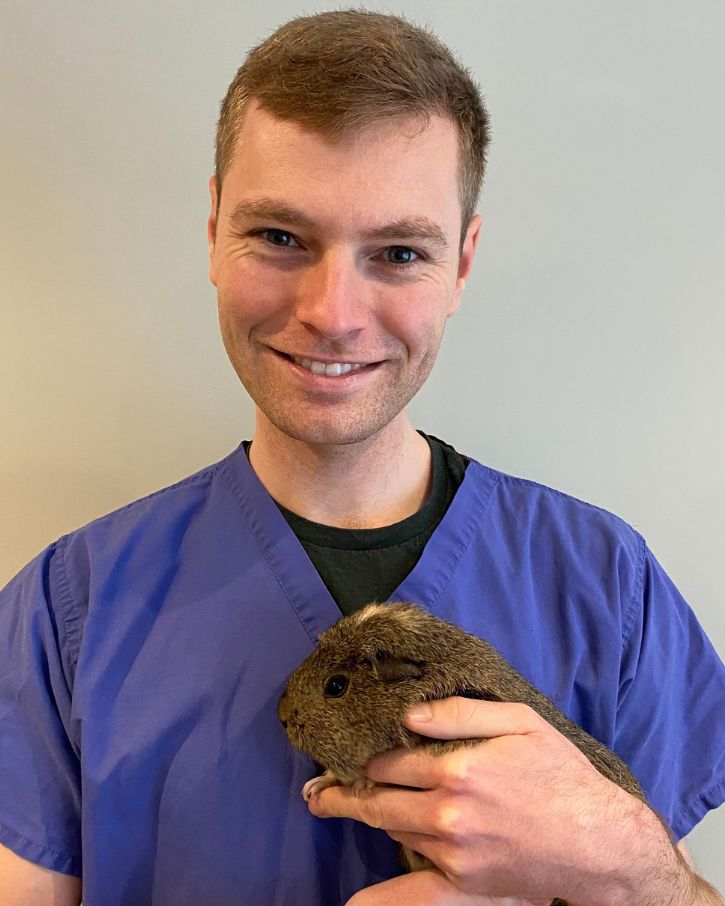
(589, 350)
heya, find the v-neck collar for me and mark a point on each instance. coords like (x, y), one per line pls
(298, 579)
(449, 542)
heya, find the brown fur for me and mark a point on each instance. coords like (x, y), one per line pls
(392, 657)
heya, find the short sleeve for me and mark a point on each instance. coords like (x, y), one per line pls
(40, 804)
(671, 714)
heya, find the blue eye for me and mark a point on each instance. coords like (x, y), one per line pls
(400, 255)
(278, 237)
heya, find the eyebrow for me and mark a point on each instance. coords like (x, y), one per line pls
(416, 228)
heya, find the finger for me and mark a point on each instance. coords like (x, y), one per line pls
(468, 718)
(432, 888)
(421, 888)
(429, 888)
(424, 844)
(388, 808)
(416, 768)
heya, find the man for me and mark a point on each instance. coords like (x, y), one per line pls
(145, 653)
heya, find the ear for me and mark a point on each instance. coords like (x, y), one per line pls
(211, 227)
(465, 263)
(393, 669)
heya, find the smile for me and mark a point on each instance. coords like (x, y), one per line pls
(331, 369)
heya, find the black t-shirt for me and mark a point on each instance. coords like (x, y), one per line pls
(363, 565)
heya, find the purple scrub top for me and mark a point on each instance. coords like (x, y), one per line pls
(142, 657)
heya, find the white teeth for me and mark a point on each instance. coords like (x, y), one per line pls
(334, 369)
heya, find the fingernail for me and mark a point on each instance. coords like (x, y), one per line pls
(421, 712)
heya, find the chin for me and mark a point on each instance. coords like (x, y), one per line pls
(331, 432)
(326, 435)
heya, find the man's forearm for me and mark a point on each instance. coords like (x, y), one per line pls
(706, 895)
(697, 891)
(703, 893)
(653, 871)
(671, 880)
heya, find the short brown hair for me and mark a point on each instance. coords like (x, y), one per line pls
(337, 72)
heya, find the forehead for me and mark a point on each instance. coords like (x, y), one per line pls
(383, 171)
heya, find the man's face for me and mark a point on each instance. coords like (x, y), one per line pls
(336, 265)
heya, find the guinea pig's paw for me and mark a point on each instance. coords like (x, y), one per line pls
(362, 786)
(318, 784)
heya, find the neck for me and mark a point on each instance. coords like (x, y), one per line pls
(368, 484)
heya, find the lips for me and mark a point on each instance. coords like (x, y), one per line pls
(331, 369)
(326, 368)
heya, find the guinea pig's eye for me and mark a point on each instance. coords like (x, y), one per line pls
(336, 686)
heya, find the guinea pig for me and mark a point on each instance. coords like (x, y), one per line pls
(346, 702)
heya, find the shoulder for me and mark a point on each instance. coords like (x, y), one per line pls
(538, 508)
(148, 521)
(560, 544)
(170, 500)
(132, 546)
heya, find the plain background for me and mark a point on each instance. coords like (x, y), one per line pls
(588, 353)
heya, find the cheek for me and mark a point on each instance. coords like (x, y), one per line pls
(417, 320)
(249, 295)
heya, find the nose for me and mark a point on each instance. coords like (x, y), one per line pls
(333, 296)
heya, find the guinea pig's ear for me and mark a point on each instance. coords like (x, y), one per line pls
(392, 669)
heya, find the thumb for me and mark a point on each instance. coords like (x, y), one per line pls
(469, 718)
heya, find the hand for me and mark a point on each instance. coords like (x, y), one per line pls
(429, 888)
(522, 814)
